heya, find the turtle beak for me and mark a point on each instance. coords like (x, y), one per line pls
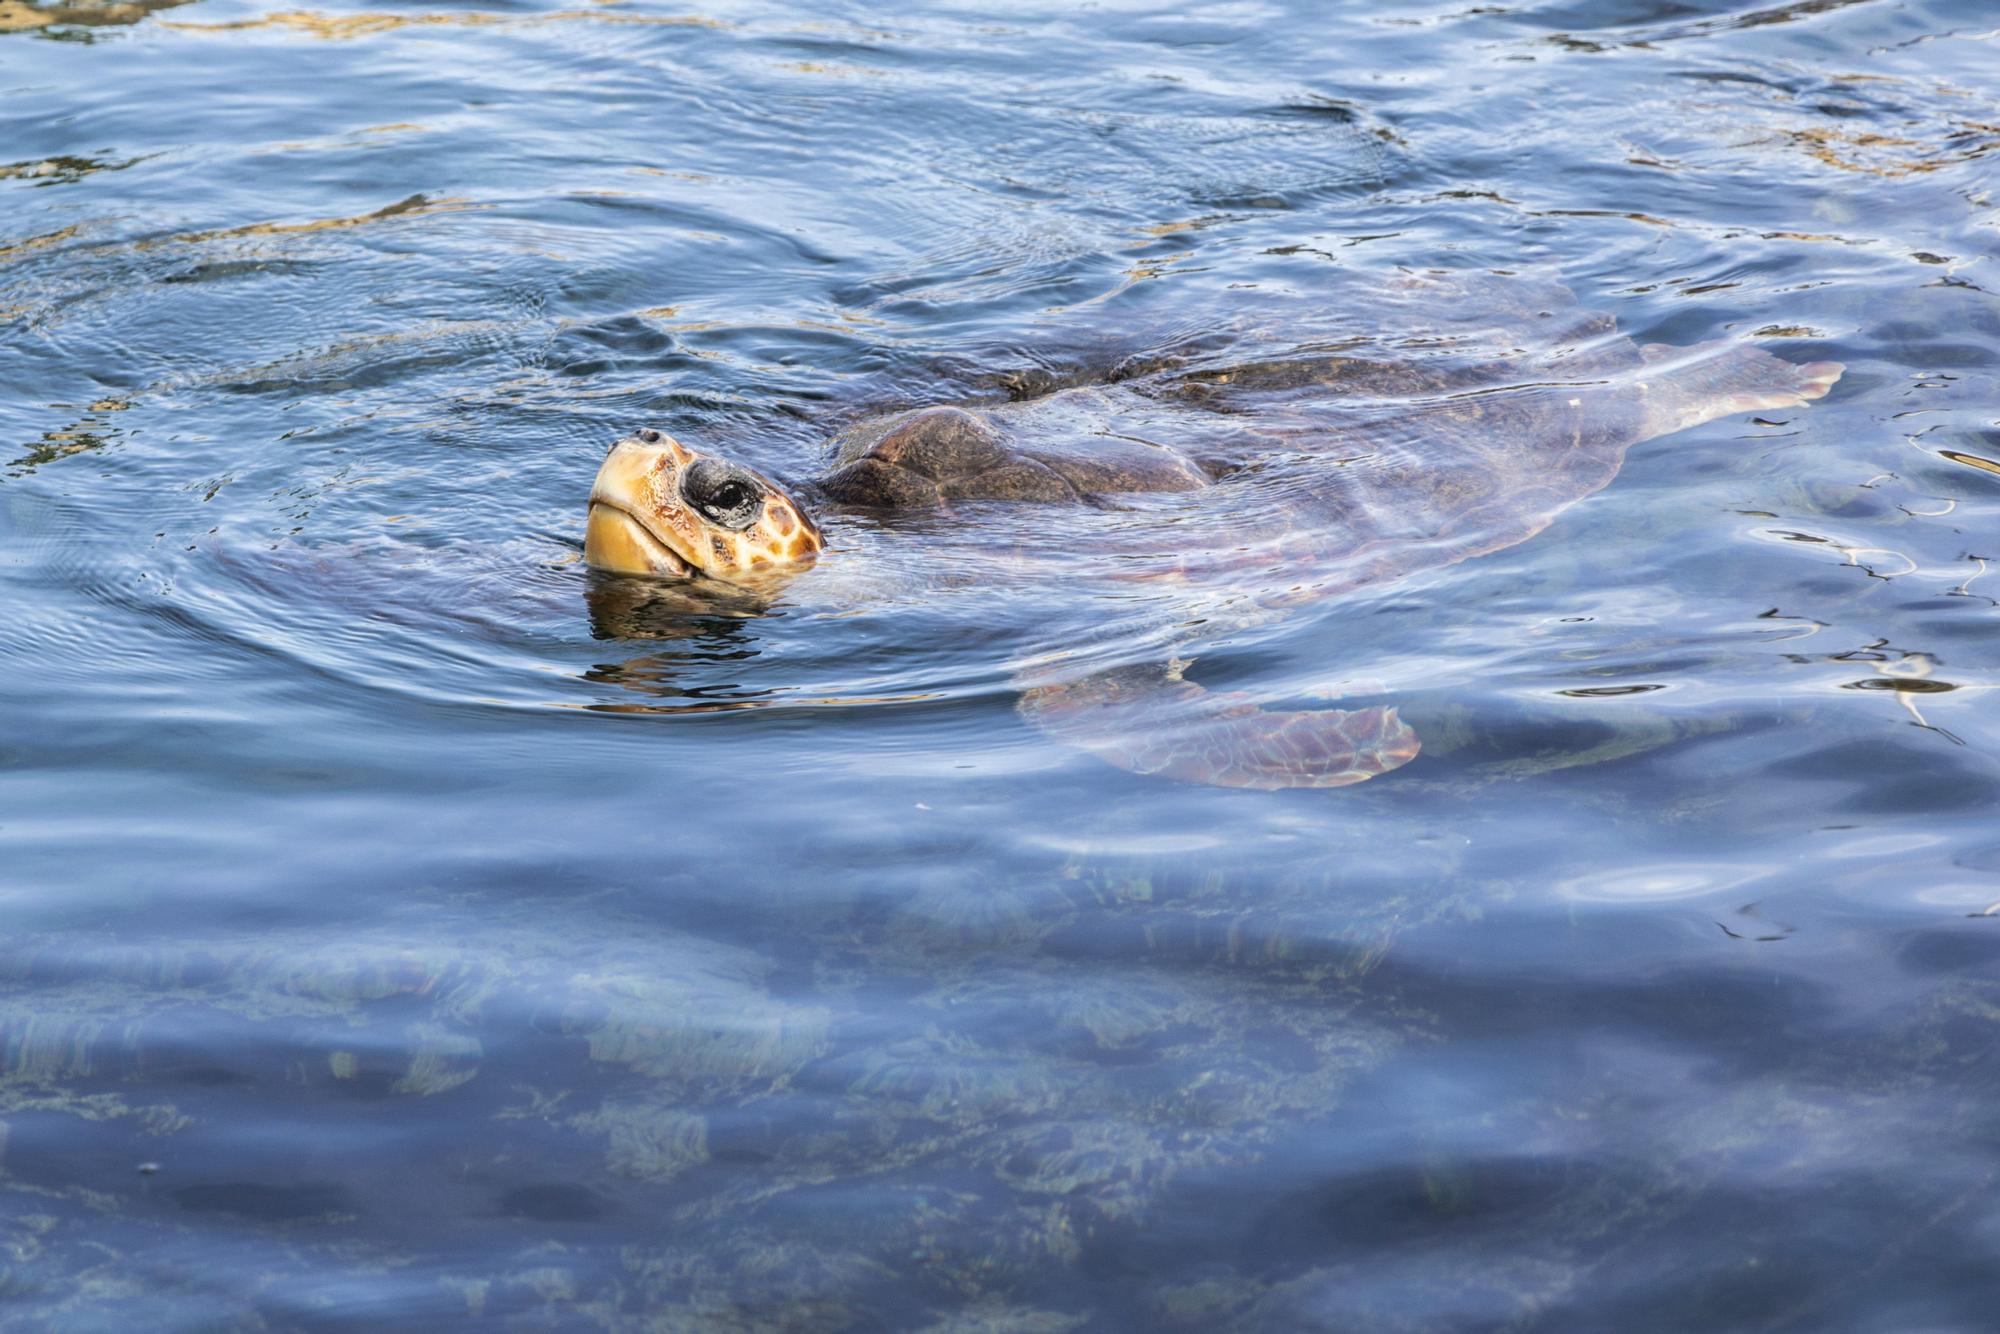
(617, 542)
(618, 538)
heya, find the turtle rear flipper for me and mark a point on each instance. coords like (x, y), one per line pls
(1147, 722)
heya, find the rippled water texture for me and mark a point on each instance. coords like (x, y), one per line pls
(403, 923)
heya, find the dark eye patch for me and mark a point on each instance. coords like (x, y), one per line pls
(724, 494)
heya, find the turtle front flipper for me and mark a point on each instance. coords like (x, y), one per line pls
(1149, 722)
(1687, 386)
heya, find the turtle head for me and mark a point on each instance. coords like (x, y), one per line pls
(661, 508)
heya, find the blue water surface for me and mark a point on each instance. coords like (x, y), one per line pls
(402, 925)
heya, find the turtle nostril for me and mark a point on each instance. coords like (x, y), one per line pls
(649, 435)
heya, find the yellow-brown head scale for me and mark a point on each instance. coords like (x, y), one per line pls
(661, 508)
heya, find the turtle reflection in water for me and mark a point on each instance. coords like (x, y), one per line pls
(1267, 477)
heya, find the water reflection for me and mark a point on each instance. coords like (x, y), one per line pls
(74, 19)
(91, 431)
(345, 27)
(630, 607)
(1970, 460)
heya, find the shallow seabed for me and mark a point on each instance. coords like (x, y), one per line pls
(402, 924)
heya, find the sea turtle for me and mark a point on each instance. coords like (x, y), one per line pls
(1448, 416)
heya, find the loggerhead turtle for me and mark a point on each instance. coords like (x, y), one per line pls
(1473, 411)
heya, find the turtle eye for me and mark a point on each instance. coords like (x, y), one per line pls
(724, 495)
(729, 496)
